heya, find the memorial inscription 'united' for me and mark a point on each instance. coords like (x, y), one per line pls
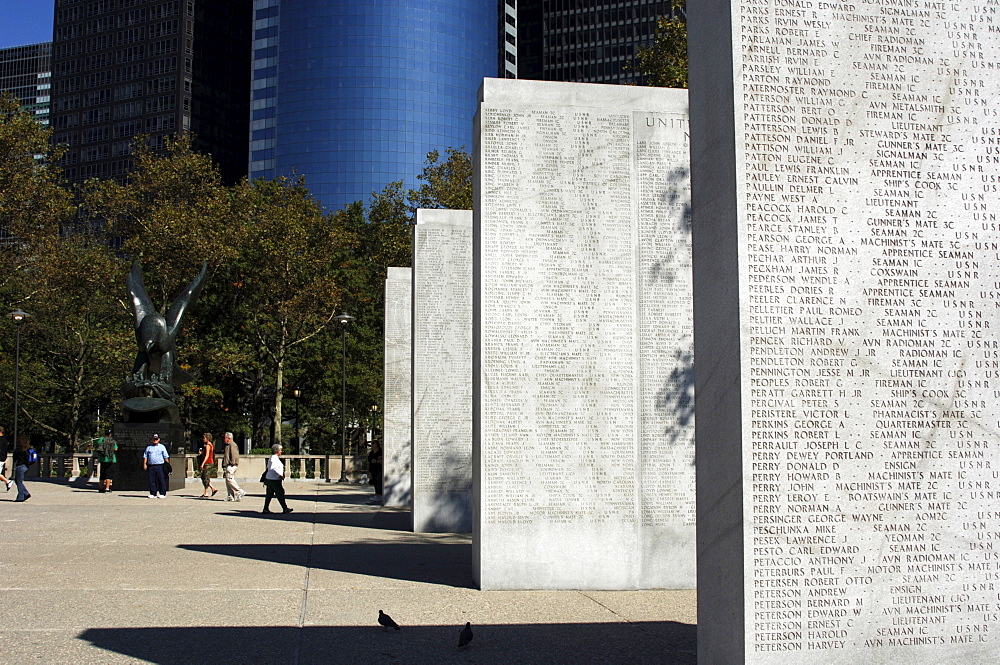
(868, 148)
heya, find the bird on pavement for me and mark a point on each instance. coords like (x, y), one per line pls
(386, 621)
(465, 636)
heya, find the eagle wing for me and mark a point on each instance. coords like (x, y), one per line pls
(142, 306)
(186, 299)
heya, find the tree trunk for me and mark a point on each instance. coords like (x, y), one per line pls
(76, 400)
(279, 380)
(257, 410)
(278, 391)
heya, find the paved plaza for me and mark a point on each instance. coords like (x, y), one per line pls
(119, 578)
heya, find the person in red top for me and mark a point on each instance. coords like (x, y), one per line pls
(206, 458)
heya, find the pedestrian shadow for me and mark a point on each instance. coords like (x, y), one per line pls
(423, 559)
(662, 643)
(347, 498)
(384, 519)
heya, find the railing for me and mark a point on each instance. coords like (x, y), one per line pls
(297, 467)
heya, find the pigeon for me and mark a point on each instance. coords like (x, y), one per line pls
(386, 621)
(465, 636)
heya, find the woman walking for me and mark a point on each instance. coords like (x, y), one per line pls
(21, 463)
(272, 481)
(206, 458)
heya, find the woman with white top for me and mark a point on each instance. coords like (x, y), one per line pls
(272, 481)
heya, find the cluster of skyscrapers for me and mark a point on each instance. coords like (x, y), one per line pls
(350, 94)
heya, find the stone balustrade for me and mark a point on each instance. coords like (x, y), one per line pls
(297, 467)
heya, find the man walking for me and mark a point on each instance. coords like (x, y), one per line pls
(231, 460)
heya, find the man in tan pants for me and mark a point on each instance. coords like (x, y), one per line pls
(231, 460)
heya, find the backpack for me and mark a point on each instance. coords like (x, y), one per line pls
(107, 447)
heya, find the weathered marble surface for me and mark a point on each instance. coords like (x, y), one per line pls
(397, 417)
(442, 371)
(584, 451)
(847, 281)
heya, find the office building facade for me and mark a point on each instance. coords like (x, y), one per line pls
(353, 95)
(585, 41)
(124, 68)
(26, 74)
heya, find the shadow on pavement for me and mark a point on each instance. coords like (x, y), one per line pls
(668, 643)
(388, 520)
(352, 495)
(422, 560)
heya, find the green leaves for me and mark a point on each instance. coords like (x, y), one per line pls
(280, 269)
(665, 63)
(447, 184)
(173, 214)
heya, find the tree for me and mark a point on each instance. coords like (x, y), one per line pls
(665, 63)
(63, 361)
(447, 184)
(33, 203)
(78, 340)
(287, 274)
(173, 213)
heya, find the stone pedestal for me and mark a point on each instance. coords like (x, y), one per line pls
(132, 440)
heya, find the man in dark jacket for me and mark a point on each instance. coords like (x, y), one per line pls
(4, 446)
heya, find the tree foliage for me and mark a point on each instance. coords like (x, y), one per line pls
(73, 341)
(33, 205)
(447, 184)
(172, 214)
(290, 283)
(77, 340)
(280, 269)
(665, 63)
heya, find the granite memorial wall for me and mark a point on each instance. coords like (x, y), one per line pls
(396, 427)
(442, 372)
(845, 171)
(583, 387)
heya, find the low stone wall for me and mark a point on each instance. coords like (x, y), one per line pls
(305, 467)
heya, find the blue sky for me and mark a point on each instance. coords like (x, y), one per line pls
(25, 22)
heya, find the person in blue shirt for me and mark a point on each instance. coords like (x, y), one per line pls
(153, 460)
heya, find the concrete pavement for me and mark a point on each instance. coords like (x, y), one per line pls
(119, 578)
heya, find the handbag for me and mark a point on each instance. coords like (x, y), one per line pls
(167, 469)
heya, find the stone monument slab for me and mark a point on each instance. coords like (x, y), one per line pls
(583, 387)
(847, 291)
(397, 424)
(442, 372)
(132, 439)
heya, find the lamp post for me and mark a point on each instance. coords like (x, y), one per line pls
(18, 317)
(298, 434)
(344, 320)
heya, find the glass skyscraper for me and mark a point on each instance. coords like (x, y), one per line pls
(152, 68)
(588, 41)
(26, 73)
(353, 94)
